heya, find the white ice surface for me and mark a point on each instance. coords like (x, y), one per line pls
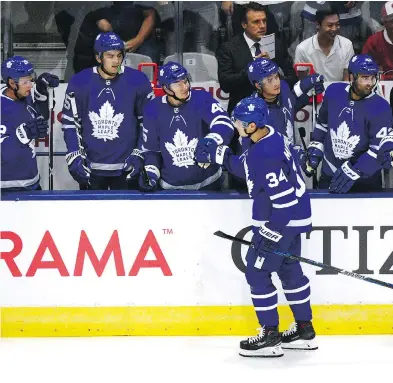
(340, 359)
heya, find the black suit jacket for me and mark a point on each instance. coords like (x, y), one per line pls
(233, 57)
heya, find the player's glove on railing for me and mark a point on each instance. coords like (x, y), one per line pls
(78, 170)
(150, 184)
(385, 153)
(344, 178)
(133, 163)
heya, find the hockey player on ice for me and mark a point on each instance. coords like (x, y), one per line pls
(281, 212)
(174, 126)
(352, 121)
(109, 100)
(283, 104)
(22, 121)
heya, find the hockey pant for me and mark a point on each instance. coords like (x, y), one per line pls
(295, 284)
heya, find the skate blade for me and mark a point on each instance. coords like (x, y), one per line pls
(301, 345)
(268, 352)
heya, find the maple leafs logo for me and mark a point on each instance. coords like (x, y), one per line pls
(106, 124)
(342, 142)
(181, 150)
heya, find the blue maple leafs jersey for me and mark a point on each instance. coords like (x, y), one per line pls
(111, 113)
(275, 183)
(351, 130)
(282, 113)
(171, 134)
(18, 161)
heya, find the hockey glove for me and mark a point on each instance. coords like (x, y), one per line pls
(266, 242)
(133, 163)
(385, 154)
(300, 155)
(37, 128)
(310, 85)
(344, 178)
(204, 149)
(315, 156)
(149, 184)
(45, 81)
(78, 170)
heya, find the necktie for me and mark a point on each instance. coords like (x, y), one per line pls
(257, 49)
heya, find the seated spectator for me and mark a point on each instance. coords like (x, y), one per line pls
(132, 22)
(326, 50)
(380, 45)
(349, 13)
(234, 55)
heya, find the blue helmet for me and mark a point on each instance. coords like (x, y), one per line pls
(108, 41)
(260, 69)
(16, 67)
(172, 72)
(251, 109)
(363, 64)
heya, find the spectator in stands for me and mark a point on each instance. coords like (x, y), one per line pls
(133, 22)
(380, 44)
(326, 50)
(234, 55)
(348, 11)
(235, 9)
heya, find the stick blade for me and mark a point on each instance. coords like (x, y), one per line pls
(220, 234)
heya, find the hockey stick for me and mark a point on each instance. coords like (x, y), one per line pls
(52, 104)
(78, 126)
(302, 134)
(310, 262)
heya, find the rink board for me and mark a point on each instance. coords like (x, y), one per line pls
(148, 264)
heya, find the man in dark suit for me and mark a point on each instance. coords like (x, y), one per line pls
(234, 55)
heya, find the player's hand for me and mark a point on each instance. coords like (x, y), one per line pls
(133, 44)
(227, 7)
(36, 128)
(344, 178)
(133, 163)
(311, 85)
(266, 242)
(148, 180)
(263, 55)
(104, 25)
(45, 81)
(206, 149)
(78, 170)
(315, 156)
(385, 153)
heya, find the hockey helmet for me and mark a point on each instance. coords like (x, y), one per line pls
(16, 67)
(248, 110)
(363, 64)
(260, 69)
(108, 41)
(172, 72)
